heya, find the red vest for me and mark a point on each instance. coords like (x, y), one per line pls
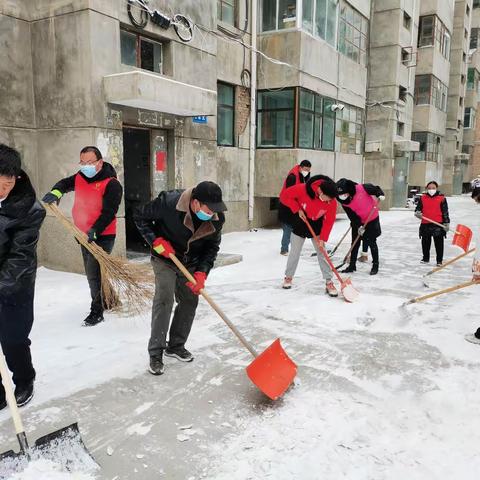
(295, 171)
(362, 204)
(88, 205)
(432, 208)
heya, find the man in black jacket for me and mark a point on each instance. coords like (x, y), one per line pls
(187, 223)
(98, 194)
(21, 216)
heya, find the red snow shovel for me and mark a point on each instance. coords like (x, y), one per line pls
(64, 447)
(462, 234)
(273, 370)
(350, 294)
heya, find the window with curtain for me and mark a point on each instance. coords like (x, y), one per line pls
(225, 115)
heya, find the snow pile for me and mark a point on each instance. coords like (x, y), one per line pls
(48, 470)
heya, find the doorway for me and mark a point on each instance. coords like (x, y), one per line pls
(137, 174)
(400, 180)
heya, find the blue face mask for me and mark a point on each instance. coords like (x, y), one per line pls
(203, 216)
(88, 170)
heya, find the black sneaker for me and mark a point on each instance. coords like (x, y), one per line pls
(180, 353)
(23, 394)
(374, 269)
(349, 269)
(93, 319)
(156, 365)
(439, 264)
(424, 261)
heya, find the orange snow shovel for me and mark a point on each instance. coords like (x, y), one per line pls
(272, 371)
(350, 294)
(462, 235)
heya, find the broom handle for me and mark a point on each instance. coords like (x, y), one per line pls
(341, 240)
(358, 236)
(441, 292)
(439, 224)
(446, 264)
(207, 297)
(12, 403)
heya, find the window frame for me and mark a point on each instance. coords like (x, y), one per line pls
(437, 92)
(440, 37)
(277, 18)
(346, 45)
(138, 49)
(433, 147)
(232, 3)
(472, 118)
(228, 107)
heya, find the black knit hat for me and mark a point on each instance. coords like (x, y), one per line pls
(210, 194)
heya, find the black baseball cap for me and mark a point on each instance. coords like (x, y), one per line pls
(210, 194)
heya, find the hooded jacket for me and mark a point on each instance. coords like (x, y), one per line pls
(169, 216)
(97, 215)
(304, 196)
(21, 217)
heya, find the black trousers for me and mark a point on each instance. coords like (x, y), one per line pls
(438, 240)
(16, 320)
(368, 242)
(92, 270)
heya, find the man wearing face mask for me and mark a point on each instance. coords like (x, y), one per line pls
(98, 194)
(297, 175)
(187, 223)
(433, 206)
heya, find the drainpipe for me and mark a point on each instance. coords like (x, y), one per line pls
(253, 111)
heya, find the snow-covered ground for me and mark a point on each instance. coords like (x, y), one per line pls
(382, 392)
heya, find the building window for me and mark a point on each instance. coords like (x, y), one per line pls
(319, 17)
(353, 32)
(141, 52)
(400, 129)
(279, 14)
(276, 117)
(407, 20)
(402, 93)
(432, 32)
(226, 11)
(349, 130)
(225, 115)
(476, 3)
(430, 147)
(319, 126)
(469, 118)
(429, 90)
(474, 38)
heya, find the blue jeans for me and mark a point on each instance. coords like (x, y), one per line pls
(287, 232)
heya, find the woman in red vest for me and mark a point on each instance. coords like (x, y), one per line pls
(98, 194)
(298, 174)
(432, 205)
(315, 201)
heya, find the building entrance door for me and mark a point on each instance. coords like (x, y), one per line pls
(138, 190)
(400, 181)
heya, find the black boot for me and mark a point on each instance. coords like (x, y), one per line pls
(350, 269)
(24, 393)
(93, 319)
(374, 269)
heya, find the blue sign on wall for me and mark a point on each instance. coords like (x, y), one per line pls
(200, 119)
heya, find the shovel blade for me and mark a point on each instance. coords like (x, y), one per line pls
(64, 447)
(272, 371)
(463, 237)
(350, 294)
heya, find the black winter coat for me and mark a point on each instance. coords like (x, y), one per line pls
(169, 216)
(21, 217)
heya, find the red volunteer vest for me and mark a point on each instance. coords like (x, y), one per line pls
(432, 208)
(295, 171)
(88, 205)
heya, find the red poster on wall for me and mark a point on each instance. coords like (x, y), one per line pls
(161, 161)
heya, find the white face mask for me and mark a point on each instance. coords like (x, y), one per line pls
(431, 191)
(344, 196)
(304, 173)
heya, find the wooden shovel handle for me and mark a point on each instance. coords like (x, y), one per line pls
(441, 292)
(440, 225)
(446, 264)
(207, 297)
(12, 403)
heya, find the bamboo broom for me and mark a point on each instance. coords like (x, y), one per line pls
(126, 286)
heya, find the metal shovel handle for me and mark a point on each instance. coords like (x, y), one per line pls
(341, 241)
(12, 404)
(207, 297)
